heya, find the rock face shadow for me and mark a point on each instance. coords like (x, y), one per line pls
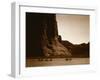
(42, 39)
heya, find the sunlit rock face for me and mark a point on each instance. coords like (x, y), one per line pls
(42, 36)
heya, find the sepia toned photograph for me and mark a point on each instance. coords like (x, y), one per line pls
(57, 39)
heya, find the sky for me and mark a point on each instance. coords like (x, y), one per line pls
(74, 28)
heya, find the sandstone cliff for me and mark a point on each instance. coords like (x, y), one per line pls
(42, 37)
